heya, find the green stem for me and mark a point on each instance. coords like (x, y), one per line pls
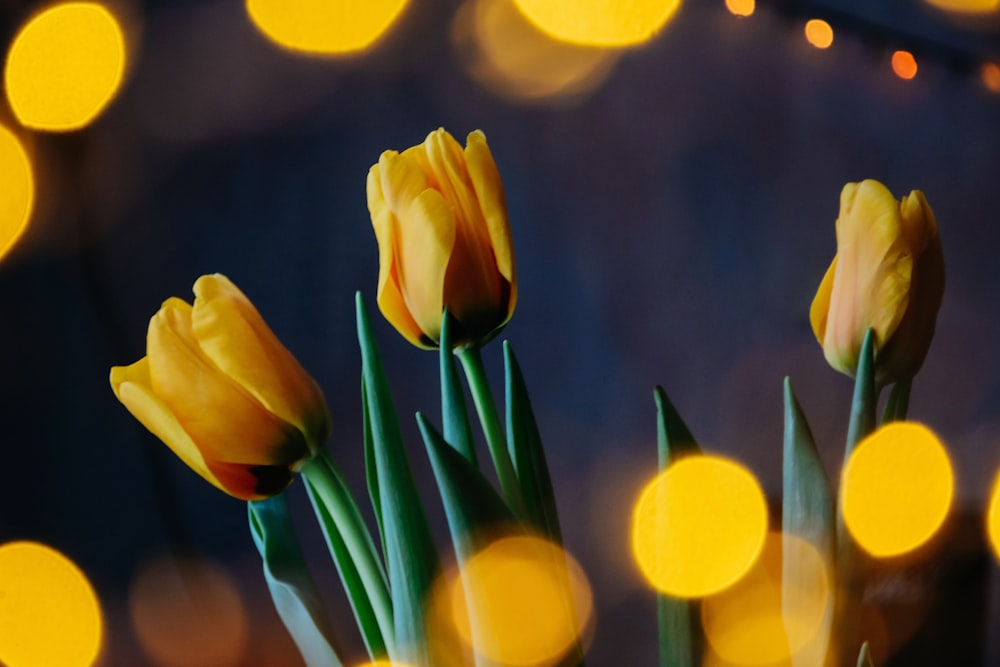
(326, 482)
(475, 373)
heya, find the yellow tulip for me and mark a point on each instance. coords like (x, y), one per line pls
(888, 275)
(444, 240)
(223, 393)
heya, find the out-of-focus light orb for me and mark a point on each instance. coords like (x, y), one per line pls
(188, 613)
(699, 526)
(751, 623)
(993, 518)
(819, 33)
(540, 68)
(904, 64)
(521, 601)
(967, 6)
(49, 613)
(383, 663)
(64, 66)
(896, 489)
(989, 74)
(17, 195)
(324, 27)
(741, 7)
(605, 23)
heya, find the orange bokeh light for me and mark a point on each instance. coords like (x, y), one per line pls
(989, 74)
(819, 33)
(904, 65)
(741, 7)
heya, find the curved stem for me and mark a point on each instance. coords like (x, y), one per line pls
(475, 373)
(327, 487)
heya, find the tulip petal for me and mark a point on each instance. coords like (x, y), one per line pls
(388, 295)
(820, 309)
(132, 387)
(223, 420)
(233, 335)
(489, 191)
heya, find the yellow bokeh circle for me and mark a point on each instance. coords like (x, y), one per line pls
(764, 619)
(323, 27)
(604, 23)
(17, 195)
(993, 518)
(65, 66)
(896, 489)
(699, 526)
(819, 33)
(521, 601)
(49, 613)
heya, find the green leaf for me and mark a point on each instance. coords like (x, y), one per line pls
(865, 399)
(411, 557)
(865, 657)
(454, 417)
(371, 470)
(475, 511)
(679, 629)
(353, 553)
(292, 587)
(898, 403)
(807, 512)
(527, 452)
(673, 437)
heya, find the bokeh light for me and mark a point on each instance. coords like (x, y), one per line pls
(741, 7)
(322, 27)
(520, 601)
(758, 621)
(989, 74)
(64, 66)
(904, 64)
(17, 196)
(993, 517)
(896, 489)
(506, 53)
(967, 6)
(819, 33)
(188, 613)
(699, 526)
(607, 23)
(49, 613)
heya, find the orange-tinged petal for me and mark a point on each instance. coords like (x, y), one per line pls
(402, 179)
(223, 420)
(232, 334)
(132, 387)
(490, 194)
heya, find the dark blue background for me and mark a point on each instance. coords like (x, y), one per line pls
(670, 228)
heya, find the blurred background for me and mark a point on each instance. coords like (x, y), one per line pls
(672, 204)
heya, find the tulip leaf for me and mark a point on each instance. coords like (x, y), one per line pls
(454, 416)
(865, 657)
(411, 557)
(293, 590)
(807, 512)
(371, 470)
(898, 403)
(353, 553)
(679, 629)
(863, 403)
(475, 511)
(527, 453)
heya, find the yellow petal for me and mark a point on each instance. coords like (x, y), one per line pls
(402, 179)
(820, 310)
(233, 335)
(132, 387)
(388, 295)
(490, 194)
(425, 243)
(223, 420)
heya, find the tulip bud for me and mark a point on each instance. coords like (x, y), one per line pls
(223, 393)
(888, 275)
(440, 220)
